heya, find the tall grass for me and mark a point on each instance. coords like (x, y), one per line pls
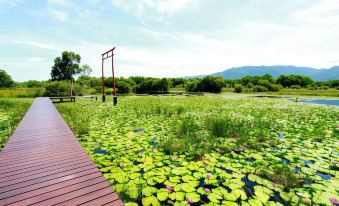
(11, 113)
(77, 119)
(21, 92)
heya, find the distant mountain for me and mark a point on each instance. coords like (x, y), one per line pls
(276, 71)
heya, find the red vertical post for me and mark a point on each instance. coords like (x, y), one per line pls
(114, 85)
(103, 78)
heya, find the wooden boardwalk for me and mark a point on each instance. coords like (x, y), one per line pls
(44, 164)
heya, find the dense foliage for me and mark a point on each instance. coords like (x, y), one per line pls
(11, 112)
(66, 66)
(206, 84)
(212, 150)
(5, 79)
(289, 80)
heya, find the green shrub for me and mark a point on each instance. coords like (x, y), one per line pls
(275, 87)
(58, 89)
(192, 86)
(295, 87)
(323, 88)
(238, 88)
(260, 89)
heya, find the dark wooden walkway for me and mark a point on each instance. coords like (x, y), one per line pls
(44, 164)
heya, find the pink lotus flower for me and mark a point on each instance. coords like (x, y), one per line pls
(175, 158)
(122, 165)
(207, 190)
(242, 148)
(170, 188)
(190, 201)
(335, 162)
(334, 201)
(209, 175)
(128, 147)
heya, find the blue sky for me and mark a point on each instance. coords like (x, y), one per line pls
(167, 37)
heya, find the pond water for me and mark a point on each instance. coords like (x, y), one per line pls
(322, 101)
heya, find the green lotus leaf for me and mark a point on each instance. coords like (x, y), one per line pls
(181, 203)
(132, 192)
(179, 196)
(214, 197)
(148, 191)
(139, 181)
(254, 202)
(151, 181)
(231, 197)
(131, 204)
(187, 188)
(253, 177)
(234, 186)
(194, 196)
(120, 178)
(286, 196)
(162, 195)
(211, 182)
(175, 179)
(151, 200)
(265, 190)
(201, 190)
(148, 160)
(217, 191)
(188, 178)
(262, 196)
(169, 183)
(240, 193)
(119, 188)
(134, 175)
(159, 179)
(229, 203)
(193, 183)
(197, 175)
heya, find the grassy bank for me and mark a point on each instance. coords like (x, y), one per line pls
(11, 112)
(21, 92)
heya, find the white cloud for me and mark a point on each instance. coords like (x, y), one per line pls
(324, 12)
(8, 4)
(163, 7)
(58, 9)
(38, 45)
(35, 59)
(59, 15)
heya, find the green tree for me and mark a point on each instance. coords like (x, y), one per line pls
(66, 66)
(212, 84)
(5, 79)
(289, 80)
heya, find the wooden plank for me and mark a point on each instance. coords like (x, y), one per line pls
(52, 191)
(51, 165)
(44, 164)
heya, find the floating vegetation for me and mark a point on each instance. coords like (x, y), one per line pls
(212, 150)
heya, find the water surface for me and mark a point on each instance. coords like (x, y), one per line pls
(334, 102)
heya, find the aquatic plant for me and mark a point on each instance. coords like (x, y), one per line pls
(167, 155)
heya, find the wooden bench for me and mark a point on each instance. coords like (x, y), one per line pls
(72, 98)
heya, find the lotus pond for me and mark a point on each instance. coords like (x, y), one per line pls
(212, 150)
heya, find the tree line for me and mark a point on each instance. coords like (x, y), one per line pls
(67, 69)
